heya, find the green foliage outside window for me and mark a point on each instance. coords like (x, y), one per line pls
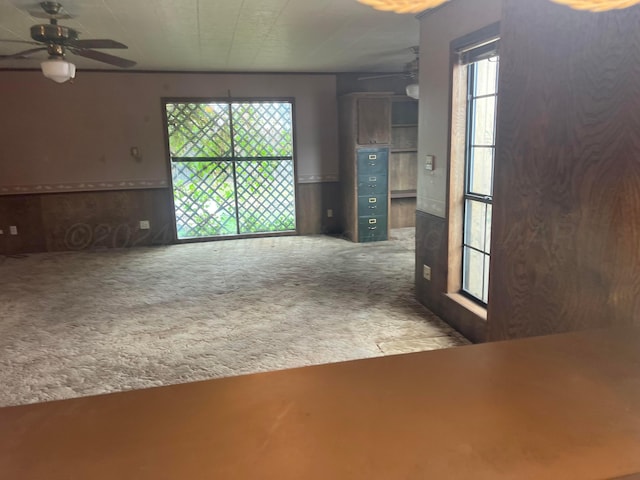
(205, 195)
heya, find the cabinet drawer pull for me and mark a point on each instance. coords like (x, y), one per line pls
(373, 185)
(372, 207)
(373, 228)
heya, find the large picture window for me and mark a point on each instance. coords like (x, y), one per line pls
(232, 167)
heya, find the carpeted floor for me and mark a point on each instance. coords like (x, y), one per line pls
(82, 323)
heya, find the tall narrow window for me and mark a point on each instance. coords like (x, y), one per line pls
(482, 96)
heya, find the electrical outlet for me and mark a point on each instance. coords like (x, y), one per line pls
(426, 272)
(329, 213)
(13, 230)
(144, 225)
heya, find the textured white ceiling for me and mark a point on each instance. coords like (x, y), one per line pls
(229, 35)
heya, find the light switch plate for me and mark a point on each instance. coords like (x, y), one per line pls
(430, 162)
(144, 225)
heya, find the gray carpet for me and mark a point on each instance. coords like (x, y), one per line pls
(83, 323)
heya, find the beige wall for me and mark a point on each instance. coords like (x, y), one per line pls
(78, 136)
(437, 30)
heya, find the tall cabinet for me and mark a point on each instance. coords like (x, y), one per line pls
(378, 164)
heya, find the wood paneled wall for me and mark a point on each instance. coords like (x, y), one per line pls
(85, 220)
(110, 219)
(314, 201)
(431, 250)
(566, 236)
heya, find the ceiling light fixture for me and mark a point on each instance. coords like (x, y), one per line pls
(58, 69)
(413, 90)
(403, 6)
(417, 6)
(598, 5)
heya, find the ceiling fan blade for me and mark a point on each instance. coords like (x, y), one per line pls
(384, 75)
(28, 42)
(104, 57)
(22, 54)
(95, 43)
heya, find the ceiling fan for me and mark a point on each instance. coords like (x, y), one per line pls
(410, 73)
(58, 40)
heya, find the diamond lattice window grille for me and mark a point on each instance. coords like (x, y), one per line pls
(242, 190)
(262, 129)
(204, 199)
(198, 130)
(266, 196)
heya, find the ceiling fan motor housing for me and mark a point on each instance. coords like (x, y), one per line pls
(50, 33)
(52, 8)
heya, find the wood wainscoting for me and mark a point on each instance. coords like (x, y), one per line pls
(566, 229)
(432, 250)
(85, 220)
(111, 219)
(314, 201)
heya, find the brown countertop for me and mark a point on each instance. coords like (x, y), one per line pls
(561, 407)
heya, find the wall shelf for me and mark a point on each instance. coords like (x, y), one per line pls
(404, 150)
(403, 162)
(403, 194)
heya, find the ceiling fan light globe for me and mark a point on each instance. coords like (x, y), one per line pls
(413, 90)
(403, 6)
(598, 5)
(59, 71)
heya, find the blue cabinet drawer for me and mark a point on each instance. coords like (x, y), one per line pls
(372, 229)
(373, 161)
(372, 205)
(373, 184)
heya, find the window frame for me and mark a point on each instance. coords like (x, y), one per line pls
(471, 59)
(229, 100)
(467, 49)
